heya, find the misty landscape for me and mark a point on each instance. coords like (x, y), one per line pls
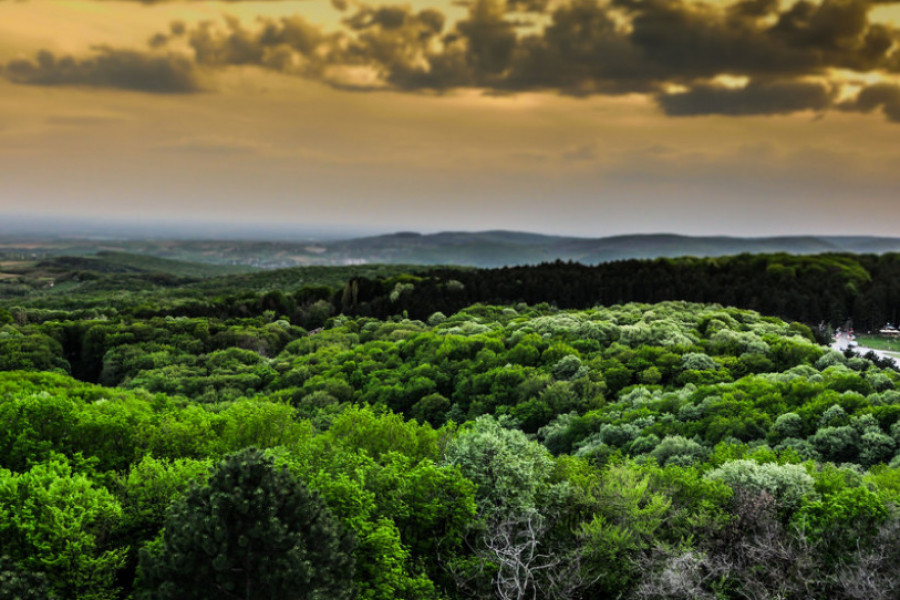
(449, 300)
(270, 250)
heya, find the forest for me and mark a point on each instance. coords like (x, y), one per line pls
(654, 429)
(828, 289)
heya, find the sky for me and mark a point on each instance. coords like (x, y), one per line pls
(579, 117)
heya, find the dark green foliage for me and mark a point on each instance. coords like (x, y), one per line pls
(810, 289)
(31, 351)
(252, 531)
(17, 584)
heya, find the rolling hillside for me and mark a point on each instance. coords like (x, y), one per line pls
(507, 248)
(477, 249)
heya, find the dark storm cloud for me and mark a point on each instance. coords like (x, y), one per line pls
(765, 98)
(158, 40)
(111, 68)
(395, 43)
(880, 96)
(753, 9)
(579, 47)
(583, 51)
(535, 6)
(490, 38)
(689, 39)
(393, 17)
(526, 6)
(585, 47)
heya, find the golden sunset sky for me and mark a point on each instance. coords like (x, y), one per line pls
(581, 117)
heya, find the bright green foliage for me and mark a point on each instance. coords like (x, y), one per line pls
(404, 511)
(376, 434)
(659, 332)
(384, 575)
(678, 450)
(510, 471)
(54, 521)
(252, 531)
(150, 488)
(620, 443)
(31, 352)
(787, 425)
(696, 361)
(624, 514)
(846, 519)
(789, 484)
(258, 423)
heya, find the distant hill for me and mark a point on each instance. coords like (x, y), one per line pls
(123, 262)
(50, 274)
(143, 263)
(477, 249)
(507, 248)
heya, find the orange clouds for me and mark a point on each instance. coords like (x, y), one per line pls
(677, 51)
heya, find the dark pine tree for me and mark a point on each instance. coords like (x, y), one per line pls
(252, 532)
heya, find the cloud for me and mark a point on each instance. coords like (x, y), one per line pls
(583, 51)
(756, 98)
(884, 96)
(378, 47)
(584, 47)
(110, 68)
(574, 47)
(754, 38)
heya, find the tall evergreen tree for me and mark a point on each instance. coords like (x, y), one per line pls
(252, 532)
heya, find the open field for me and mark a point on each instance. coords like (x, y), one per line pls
(879, 342)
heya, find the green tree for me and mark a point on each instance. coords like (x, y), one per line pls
(788, 484)
(677, 449)
(53, 521)
(837, 444)
(22, 585)
(509, 470)
(253, 531)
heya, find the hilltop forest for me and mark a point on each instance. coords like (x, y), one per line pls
(645, 429)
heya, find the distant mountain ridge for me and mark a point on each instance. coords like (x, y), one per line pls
(506, 248)
(493, 248)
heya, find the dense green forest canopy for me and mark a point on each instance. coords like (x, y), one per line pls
(565, 446)
(827, 288)
(79, 279)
